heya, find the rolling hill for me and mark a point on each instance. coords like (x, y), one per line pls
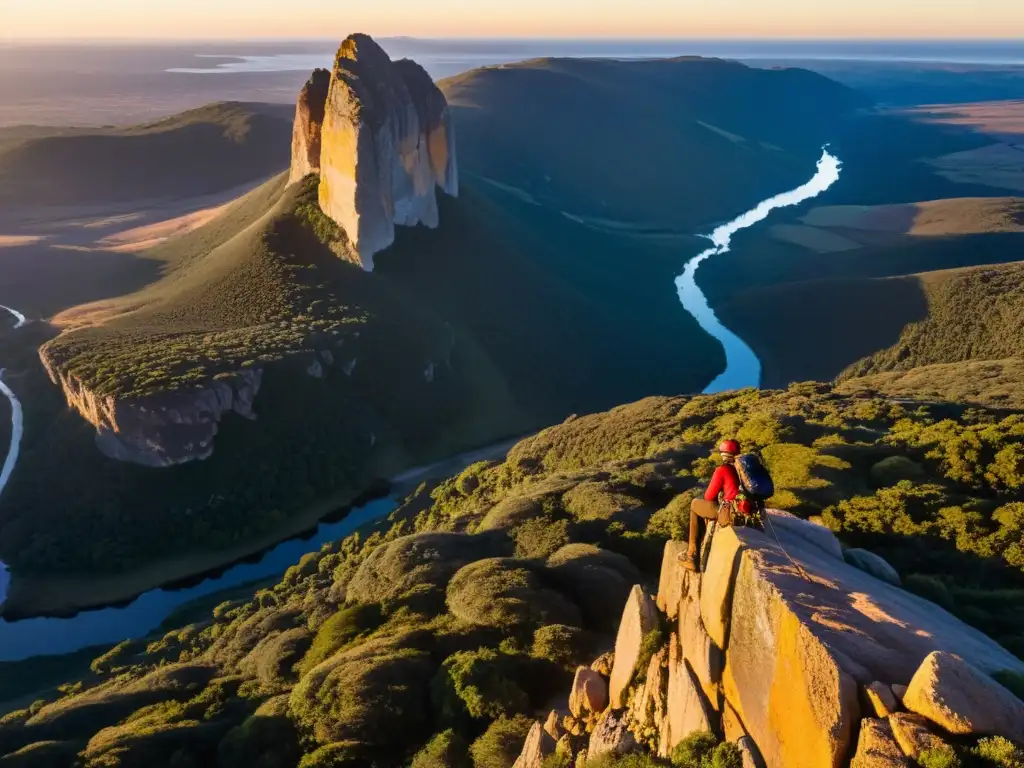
(547, 290)
(205, 150)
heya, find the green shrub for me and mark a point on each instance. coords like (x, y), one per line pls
(501, 743)
(505, 594)
(891, 470)
(939, 757)
(267, 739)
(446, 750)
(725, 755)
(692, 751)
(481, 683)
(340, 630)
(637, 760)
(998, 752)
(557, 760)
(563, 645)
(540, 537)
(344, 754)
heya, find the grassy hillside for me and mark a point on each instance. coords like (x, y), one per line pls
(672, 143)
(842, 283)
(256, 287)
(199, 152)
(436, 637)
(528, 314)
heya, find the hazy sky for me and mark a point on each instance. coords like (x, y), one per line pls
(510, 18)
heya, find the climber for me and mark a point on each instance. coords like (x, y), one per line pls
(718, 502)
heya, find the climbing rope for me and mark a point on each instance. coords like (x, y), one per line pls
(778, 541)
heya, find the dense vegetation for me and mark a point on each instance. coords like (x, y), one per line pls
(435, 636)
(203, 151)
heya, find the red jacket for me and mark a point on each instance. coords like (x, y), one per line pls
(725, 480)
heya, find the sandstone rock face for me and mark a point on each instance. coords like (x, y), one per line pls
(309, 120)
(877, 747)
(881, 698)
(960, 698)
(913, 734)
(732, 726)
(703, 656)
(611, 736)
(717, 584)
(638, 618)
(603, 664)
(589, 693)
(386, 143)
(749, 753)
(676, 583)
(686, 711)
(538, 745)
(790, 692)
(164, 429)
(871, 563)
(647, 713)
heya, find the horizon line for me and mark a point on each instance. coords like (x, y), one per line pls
(520, 38)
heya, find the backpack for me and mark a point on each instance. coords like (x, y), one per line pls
(755, 479)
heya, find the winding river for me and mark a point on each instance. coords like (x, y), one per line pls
(17, 427)
(742, 368)
(19, 640)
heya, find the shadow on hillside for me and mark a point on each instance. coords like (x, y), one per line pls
(40, 280)
(816, 329)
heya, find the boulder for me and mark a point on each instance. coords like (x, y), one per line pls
(589, 694)
(810, 532)
(309, 120)
(676, 583)
(795, 700)
(717, 582)
(703, 656)
(611, 736)
(871, 563)
(874, 630)
(686, 710)
(877, 747)
(647, 712)
(386, 144)
(880, 697)
(749, 753)
(639, 617)
(603, 664)
(963, 700)
(553, 725)
(537, 746)
(913, 734)
(899, 691)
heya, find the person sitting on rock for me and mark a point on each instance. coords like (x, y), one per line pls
(718, 500)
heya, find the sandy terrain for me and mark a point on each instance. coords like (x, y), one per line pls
(1003, 120)
(829, 229)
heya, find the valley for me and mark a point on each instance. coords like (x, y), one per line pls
(267, 373)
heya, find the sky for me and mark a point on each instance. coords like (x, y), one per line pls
(279, 19)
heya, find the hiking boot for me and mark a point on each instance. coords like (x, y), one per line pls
(689, 561)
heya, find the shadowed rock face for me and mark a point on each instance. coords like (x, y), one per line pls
(386, 143)
(309, 120)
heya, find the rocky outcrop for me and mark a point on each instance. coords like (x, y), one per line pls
(539, 745)
(877, 747)
(639, 618)
(386, 143)
(309, 121)
(797, 658)
(163, 429)
(963, 700)
(589, 693)
(873, 564)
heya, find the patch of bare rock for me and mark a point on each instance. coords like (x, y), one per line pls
(786, 650)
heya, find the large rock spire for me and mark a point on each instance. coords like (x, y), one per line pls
(386, 142)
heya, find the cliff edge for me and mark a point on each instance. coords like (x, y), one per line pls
(784, 649)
